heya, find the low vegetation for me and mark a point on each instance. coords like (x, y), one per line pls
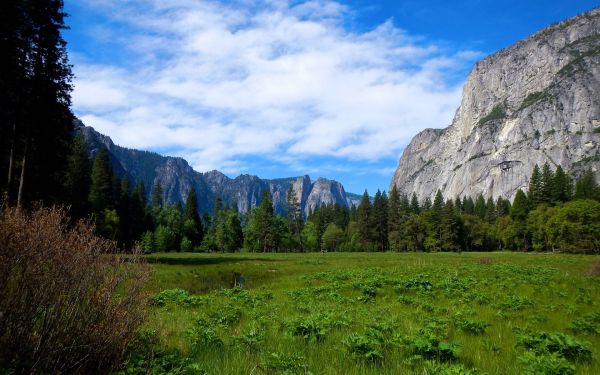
(68, 302)
(381, 313)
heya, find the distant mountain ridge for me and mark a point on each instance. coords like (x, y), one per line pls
(177, 178)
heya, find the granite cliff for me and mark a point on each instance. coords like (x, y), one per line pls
(534, 102)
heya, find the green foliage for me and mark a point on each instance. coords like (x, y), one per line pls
(497, 113)
(101, 182)
(545, 343)
(332, 237)
(546, 364)
(429, 345)
(204, 336)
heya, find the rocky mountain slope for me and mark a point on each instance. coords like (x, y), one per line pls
(534, 102)
(177, 177)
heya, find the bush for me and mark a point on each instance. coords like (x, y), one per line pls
(543, 343)
(68, 302)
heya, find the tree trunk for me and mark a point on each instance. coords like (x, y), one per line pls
(20, 194)
(10, 163)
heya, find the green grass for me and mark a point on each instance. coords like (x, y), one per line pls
(377, 313)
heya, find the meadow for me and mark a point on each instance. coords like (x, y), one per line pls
(371, 313)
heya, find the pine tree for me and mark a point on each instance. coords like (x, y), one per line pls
(468, 206)
(191, 214)
(101, 195)
(535, 187)
(77, 181)
(586, 186)
(364, 218)
(35, 85)
(480, 207)
(449, 228)
(490, 211)
(562, 187)
(157, 195)
(380, 220)
(547, 185)
(438, 206)
(140, 219)
(414, 204)
(520, 207)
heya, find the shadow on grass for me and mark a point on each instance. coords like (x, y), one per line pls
(201, 261)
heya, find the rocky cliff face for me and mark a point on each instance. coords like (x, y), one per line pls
(177, 178)
(534, 102)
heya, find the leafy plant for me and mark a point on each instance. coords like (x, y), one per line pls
(568, 347)
(364, 348)
(546, 364)
(430, 346)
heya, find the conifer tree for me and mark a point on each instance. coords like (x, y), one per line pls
(520, 207)
(586, 186)
(547, 185)
(380, 220)
(490, 211)
(562, 187)
(535, 187)
(449, 227)
(35, 87)
(480, 207)
(77, 181)
(364, 218)
(100, 196)
(196, 232)
(157, 195)
(414, 204)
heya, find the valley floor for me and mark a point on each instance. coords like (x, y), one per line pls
(375, 313)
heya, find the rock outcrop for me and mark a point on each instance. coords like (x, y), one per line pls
(177, 178)
(534, 102)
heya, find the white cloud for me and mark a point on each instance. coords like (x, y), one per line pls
(221, 81)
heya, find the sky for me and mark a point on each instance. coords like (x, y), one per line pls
(278, 88)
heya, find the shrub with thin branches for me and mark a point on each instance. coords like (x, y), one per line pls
(69, 301)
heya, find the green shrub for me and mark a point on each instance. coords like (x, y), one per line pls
(543, 343)
(364, 348)
(546, 364)
(428, 345)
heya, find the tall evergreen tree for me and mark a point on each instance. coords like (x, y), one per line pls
(535, 187)
(101, 196)
(490, 211)
(450, 228)
(547, 185)
(520, 207)
(77, 181)
(586, 187)
(480, 208)
(364, 218)
(35, 87)
(157, 195)
(191, 214)
(562, 187)
(414, 204)
(380, 220)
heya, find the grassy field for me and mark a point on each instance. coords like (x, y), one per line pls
(375, 313)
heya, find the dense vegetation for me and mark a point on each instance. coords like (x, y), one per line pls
(554, 215)
(371, 313)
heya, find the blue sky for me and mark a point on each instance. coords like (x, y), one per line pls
(278, 88)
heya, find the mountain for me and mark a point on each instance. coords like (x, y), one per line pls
(177, 177)
(534, 102)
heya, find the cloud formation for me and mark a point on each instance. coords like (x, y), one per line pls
(219, 82)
